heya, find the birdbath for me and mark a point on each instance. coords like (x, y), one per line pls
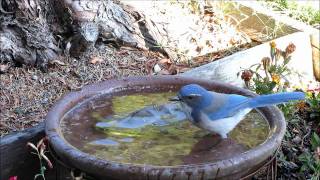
(80, 134)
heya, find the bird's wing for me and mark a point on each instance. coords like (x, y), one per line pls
(225, 105)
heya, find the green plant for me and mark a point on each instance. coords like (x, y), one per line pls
(39, 150)
(313, 102)
(274, 70)
(311, 160)
(303, 12)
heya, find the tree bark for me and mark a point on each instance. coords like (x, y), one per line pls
(26, 33)
(35, 32)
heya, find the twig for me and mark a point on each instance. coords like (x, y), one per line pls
(305, 136)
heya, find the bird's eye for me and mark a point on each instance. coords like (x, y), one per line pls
(189, 97)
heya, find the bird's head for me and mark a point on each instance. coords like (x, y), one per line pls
(193, 95)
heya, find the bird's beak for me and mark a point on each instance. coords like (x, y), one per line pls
(175, 98)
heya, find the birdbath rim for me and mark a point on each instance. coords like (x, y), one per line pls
(237, 165)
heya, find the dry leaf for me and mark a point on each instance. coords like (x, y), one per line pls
(96, 60)
(57, 62)
(165, 61)
(122, 52)
(45, 158)
(40, 143)
(150, 64)
(295, 130)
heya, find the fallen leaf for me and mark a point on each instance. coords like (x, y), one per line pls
(295, 130)
(57, 62)
(122, 52)
(149, 65)
(165, 61)
(96, 60)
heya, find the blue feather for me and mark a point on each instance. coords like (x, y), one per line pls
(272, 99)
(207, 109)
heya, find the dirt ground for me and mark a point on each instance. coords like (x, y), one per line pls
(27, 93)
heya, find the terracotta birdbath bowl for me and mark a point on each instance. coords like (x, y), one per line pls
(228, 161)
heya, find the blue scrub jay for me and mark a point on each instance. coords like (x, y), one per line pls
(220, 113)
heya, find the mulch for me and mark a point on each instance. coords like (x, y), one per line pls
(26, 93)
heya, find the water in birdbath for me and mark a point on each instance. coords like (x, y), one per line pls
(147, 129)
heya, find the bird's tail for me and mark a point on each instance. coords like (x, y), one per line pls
(271, 99)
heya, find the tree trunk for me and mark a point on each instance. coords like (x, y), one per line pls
(35, 32)
(26, 32)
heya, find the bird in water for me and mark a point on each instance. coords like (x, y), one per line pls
(220, 113)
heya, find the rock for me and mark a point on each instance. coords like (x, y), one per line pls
(34, 77)
(296, 140)
(156, 68)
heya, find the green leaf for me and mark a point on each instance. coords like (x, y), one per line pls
(315, 141)
(286, 61)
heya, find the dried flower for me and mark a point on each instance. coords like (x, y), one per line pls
(275, 78)
(290, 49)
(266, 61)
(301, 106)
(40, 150)
(246, 75)
(278, 53)
(45, 157)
